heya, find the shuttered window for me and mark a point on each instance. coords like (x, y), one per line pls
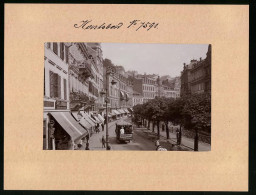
(65, 88)
(52, 84)
(59, 87)
(66, 50)
(55, 48)
(55, 85)
(62, 51)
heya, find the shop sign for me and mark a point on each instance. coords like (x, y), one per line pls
(61, 105)
(49, 104)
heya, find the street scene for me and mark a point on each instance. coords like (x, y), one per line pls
(122, 96)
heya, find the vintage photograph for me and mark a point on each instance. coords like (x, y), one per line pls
(127, 96)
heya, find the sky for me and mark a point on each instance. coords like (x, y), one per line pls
(161, 59)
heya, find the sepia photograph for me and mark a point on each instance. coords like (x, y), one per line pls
(127, 96)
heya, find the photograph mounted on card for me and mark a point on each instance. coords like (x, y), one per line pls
(135, 97)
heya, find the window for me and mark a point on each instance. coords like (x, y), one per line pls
(55, 48)
(65, 89)
(55, 85)
(62, 51)
(67, 51)
(48, 45)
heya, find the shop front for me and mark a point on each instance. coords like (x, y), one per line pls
(65, 133)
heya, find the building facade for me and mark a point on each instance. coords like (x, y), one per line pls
(201, 75)
(56, 135)
(196, 76)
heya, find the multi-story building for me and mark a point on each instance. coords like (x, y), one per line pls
(169, 92)
(196, 76)
(137, 98)
(57, 131)
(185, 78)
(95, 53)
(171, 86)
(114, 92)
(145, 85)
(201, 75)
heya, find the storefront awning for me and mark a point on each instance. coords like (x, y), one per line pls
(127, 96)
(130, 109)
(85, 123)
(122, 95)
(86, 116)
(101, 118)
(70, 125)
(81, 119)
(121, 111)
(126, 110)
(115, 112)
(96, 118)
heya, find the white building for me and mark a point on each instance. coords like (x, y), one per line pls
(57, 131)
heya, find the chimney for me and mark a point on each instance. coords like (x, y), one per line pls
(200, 59)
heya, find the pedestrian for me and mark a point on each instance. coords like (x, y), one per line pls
(102, 125)
(103, 141)
(87, 146)
(87, 138)
(177, 136)
(159, 147)
(97, 128)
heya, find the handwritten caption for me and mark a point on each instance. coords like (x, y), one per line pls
(134, 24)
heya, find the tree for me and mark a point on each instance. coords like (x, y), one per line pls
(175, 113)
(197, 114)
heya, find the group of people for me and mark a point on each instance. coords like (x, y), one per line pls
(97, 127)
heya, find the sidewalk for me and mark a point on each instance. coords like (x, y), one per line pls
(187, 142)
(169, 144)
(95, 139)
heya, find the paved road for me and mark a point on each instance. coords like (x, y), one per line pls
(139, 142)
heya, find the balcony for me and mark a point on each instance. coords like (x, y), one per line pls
(85, 71)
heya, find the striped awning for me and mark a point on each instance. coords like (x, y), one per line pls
(126, 110)
(121, 111)
(81, 119)
(101, 118)
(70, 125)
(89, 119)
(122, 96)
(115, 112)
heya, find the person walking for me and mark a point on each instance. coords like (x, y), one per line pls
(87, 146)
(97, 128)
(103, 141)
(178, 136)
(102, 125)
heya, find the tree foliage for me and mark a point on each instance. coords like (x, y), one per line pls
(192, 112)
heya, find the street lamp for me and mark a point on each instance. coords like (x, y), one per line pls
(113, 82)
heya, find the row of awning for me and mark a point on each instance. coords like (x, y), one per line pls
(70, 125)
(120, 112)
(78, 124)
